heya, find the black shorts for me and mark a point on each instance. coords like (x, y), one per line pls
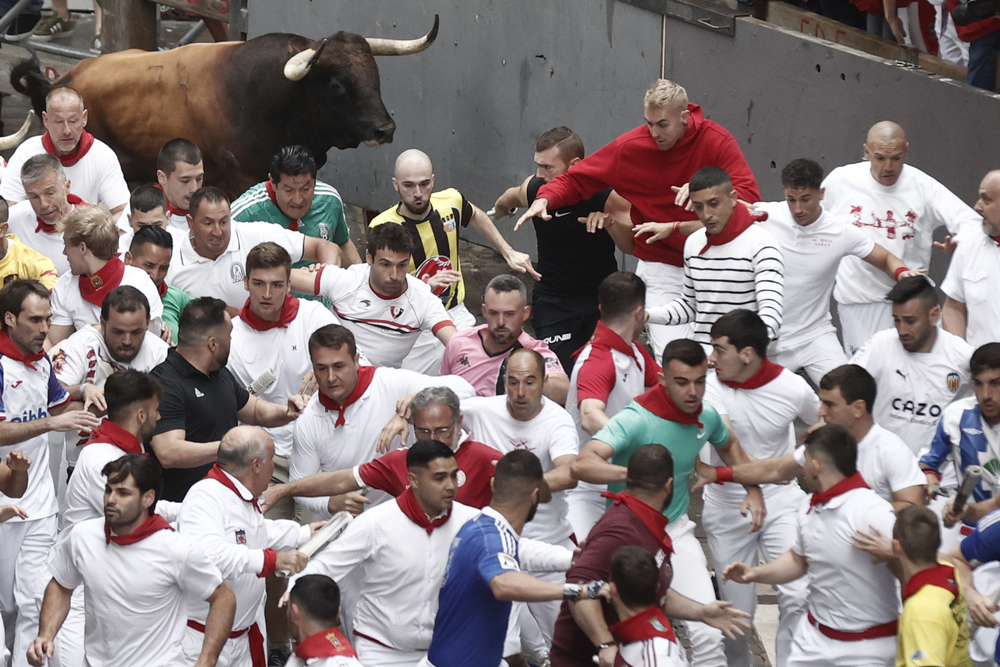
(564, 323)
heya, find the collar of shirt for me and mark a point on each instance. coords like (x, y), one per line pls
(835, 495)
(493, 514)
(190, 256)
(233, 484)
(183, 366)
(365, 376)
(113, 434)
(942, 576)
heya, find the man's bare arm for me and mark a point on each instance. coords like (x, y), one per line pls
(560, 477)
(556, 387)
(218, 624)
(12, 433)
(592, 415)
(592, 465)
(515, 197)
(349, 254)
(954, 317)
(174, 450)
(318, 250)
(55, 607)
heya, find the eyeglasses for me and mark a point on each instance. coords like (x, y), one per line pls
(424, 433)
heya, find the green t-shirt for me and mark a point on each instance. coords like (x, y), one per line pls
(635, 426)
(173, 303)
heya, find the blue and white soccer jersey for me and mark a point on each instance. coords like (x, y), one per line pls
(471, 622)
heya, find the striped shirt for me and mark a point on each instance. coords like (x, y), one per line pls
(747, 272)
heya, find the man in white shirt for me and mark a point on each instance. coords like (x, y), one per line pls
(222, 515)
(212, 260)
(180, 172)
(91, 246)
(971, 309)
(899, 207)
(853, 604)
(90, 164)
(150, 250)
(138, 576)
(760, 401)
(48, 200)
(314, 620)
(610, 371)
(813, 241)
(383, 305)
(147, 206)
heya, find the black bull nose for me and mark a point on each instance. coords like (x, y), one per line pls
(383, 135)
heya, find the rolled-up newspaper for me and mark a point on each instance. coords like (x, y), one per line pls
(260, 385)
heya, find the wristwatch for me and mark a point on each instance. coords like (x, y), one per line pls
(601, 647)
(587, 590)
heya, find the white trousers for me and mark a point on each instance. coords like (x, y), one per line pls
(371, 653)
(811, 648)
(691, 579)
(664, 283)
(428, 351)
(235, 652)
(730, 541)
(861, 321)
(532, 624)
(818, 357)
(24, 551)
(950, 46)
(586, 507)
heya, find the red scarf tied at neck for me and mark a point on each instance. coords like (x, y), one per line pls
(51, 229)
(293, 226)
(95, 287)
(170, 209)
(412, 509)
(8, 349)
(942, 576)
(82, 148)
(855, 481)
(605, 338)
(220, 476)
(161, 289)
(289, 309)
(738, 223)
(154, 523)
(651, 519)
(657, 401)
(365, 376)
(767, 372)
(324, 644)
(113, 434)
(647, 624)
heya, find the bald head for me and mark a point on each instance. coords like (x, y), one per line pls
(63, 96)
(887, 133)
(413, 179)
(988, 205)
(412, 159)
(241, 446)
(885, 149)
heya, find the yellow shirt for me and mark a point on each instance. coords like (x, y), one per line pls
(21, 262)
(933, 628)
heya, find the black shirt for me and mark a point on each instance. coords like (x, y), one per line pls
(572, 261)
(204, 406)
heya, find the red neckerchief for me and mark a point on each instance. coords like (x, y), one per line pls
(219, 476)
(607, 339)
(154, 523)
(82, 147)
(767, 372)
(170, 208)
(51, 229)
(942, 576)
(8, 349)
(325, 644)
(738, 223)
(365, 376)
(294, 224)
(653, 520)
(855, 481)
(161, 289)
(289, 309)
(659, 403)
(645, 625)
(95, 287)
(113, 434)
(996, 239)
(411, 508)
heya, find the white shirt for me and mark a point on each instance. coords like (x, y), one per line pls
(764, 421)
(223, 276)
(549, 435)
(22, 220)
(322, 446)
(847, 592)
(127, 234)
(234, 534)
(901, 218)
(284, 350)
(403, 569)
(335, 661)
(973, 278)
(97, 177)
(812, 254)
(136, 595)
(913, 389)
(385, 327)
(69, 308)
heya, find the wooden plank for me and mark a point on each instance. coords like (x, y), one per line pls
(209, 9)
(128, 24)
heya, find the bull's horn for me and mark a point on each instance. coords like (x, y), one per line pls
(300, 64)
(403, 47)
(14, 140)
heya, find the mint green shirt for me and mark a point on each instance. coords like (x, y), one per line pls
(635, 426)
(173, 303)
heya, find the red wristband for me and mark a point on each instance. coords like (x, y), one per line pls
(270, 561)
(900, 270)
(676, 228)
(723, 474)
(932, 472)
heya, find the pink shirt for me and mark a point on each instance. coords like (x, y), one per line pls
(466, 356)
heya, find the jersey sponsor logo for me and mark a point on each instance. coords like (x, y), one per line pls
(464, 360)
(30, 415)
(237, 272)
(431, 266)
(901, 374)
(396, 311)
(366, 303)
(972, 431)
(241, 537)
(561, 214)
(558, 338)
(197, 393)
(17, 384)
(953, 381)
(507, 562)
(915, 408)
(702, 434)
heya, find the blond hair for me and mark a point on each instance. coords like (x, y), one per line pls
(93, 226)
(664, 93)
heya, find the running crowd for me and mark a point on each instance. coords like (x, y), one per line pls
(273, 449)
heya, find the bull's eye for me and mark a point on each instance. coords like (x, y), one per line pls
(336, 87)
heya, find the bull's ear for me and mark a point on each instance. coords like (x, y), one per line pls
(300, 64)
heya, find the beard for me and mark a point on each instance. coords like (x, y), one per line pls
(531, 513)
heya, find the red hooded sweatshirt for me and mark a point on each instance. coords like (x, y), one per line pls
(643, 174)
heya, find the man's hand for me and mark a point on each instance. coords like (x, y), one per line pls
(721, 615)
(296, 404)
(521, 262)
(754, 504)
(11, 511)
(704, 474)
(347, 502)
(597, 220)
(606, 656)
(315, 527)
(657, 230)
(948, 246)
(403, 406)
(897, 29)
(933, 481)
(166, 334)
(539, 207)
(272, 496)
(911, 273)
(443, 279)
(291, 561)
(741, 573)
(73, 420)
(981, 608)
(948, 516)
(93, 396)
(397, 426)
(18, 461)
(875, 543)
(308, 386)
(40, 649)
(682, 197)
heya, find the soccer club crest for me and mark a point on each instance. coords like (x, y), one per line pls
(953, 382)
(396, 311)
(96, 281)
(324, 231)
(241, 537)
(237, 272)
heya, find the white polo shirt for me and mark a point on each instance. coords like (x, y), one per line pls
(319, 445)
(69, 308)
(548, 436)
(22, 220)
(901, 218)
(234, 534)
(812, 255)
(284, 350)
(973, 279)
(223, 276)
(386, 328)
(97, 177)
(127, 234)
(847, 592)
(914, 389)
(764, 421)
(403, 569)
(136, 595)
